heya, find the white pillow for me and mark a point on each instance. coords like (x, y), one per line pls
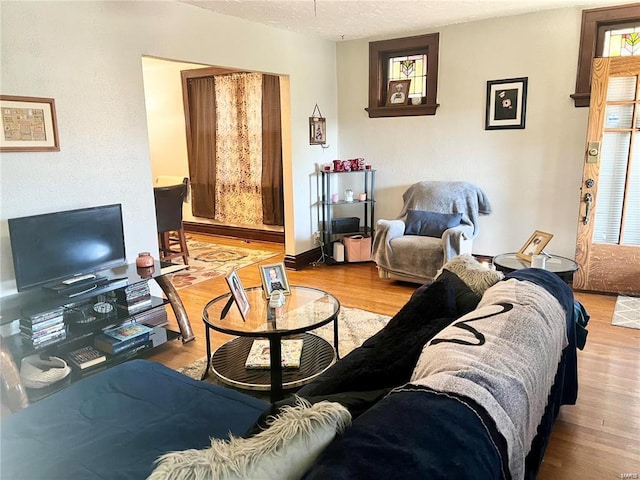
(284, 451)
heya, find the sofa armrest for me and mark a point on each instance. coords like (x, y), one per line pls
(389, 229)
(386, 230)
(456, 241)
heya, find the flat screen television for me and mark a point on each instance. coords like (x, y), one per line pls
(53, 247)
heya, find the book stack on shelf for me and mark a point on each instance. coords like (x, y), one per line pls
(134, 298)
(44, 328)
(156, 317)
(259, 357)
(129, 337)
(86, 357)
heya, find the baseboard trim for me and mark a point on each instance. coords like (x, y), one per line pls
(304, 259)
(235, 232)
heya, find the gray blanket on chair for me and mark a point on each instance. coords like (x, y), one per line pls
(442, 197)
(448, 197)
(504, 355)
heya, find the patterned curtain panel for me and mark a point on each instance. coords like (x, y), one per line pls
(238, 190)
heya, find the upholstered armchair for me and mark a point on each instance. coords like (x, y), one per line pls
(438, 221)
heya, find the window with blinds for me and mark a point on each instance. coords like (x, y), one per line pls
(617, 216)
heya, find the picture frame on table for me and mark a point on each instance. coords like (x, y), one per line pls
(398, 93)
(28, 124)
(506, 104)
(534, 245)
(274, 277)
(238, 293)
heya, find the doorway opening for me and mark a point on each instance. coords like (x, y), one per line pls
(167, 132)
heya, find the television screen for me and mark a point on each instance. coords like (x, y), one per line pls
(56, 246)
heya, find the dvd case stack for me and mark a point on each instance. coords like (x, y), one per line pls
(44, 328)
(134, 298)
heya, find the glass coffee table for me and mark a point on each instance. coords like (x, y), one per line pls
(304, 309)
(561, 266)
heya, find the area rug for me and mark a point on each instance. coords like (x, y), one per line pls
(210, 260)
(627, 312)
(354, 327)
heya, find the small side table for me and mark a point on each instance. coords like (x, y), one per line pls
(561, 266)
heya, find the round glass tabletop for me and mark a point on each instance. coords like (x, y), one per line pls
(304, 309)
(554, 263)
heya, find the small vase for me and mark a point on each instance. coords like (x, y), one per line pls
(144, 260)
(145, 272)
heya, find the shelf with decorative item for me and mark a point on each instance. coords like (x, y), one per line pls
(402, 110)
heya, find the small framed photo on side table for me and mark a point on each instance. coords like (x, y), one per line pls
(274, 278)
(238, 293)
(534, 245)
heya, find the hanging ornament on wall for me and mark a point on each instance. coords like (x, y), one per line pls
(317, 128)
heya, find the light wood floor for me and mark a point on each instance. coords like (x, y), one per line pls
(598, 438)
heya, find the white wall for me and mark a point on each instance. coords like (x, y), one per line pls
(87, 56)
(165, 116)
(532, 176)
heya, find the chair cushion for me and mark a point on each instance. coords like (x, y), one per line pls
(430, 224)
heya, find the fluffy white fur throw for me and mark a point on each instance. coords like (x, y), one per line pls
(284, 451)
(475, 275)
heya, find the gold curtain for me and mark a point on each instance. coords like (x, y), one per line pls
(238, 189)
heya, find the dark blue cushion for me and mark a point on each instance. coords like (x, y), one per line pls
(116, 423)
(430, 224)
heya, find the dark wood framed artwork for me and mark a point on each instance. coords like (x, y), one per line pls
(28, 124)
(398, 92)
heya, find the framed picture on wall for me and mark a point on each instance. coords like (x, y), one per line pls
(28, 124)
(506, 104)
(317, 131)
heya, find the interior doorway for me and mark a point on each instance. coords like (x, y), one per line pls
(168, 145)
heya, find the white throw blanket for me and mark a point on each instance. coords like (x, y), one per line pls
(504, 355)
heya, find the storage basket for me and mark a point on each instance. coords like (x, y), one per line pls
(357, 248)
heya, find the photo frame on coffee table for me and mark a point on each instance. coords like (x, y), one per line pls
(274, 277)
(238, 293)
(534, 245)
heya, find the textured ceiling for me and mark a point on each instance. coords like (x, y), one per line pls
(351, 19)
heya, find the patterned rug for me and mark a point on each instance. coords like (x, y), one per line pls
(627, 312)
(354, 327)
(210, 260)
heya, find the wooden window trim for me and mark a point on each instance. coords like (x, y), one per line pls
(592, 21)
(380, 52)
